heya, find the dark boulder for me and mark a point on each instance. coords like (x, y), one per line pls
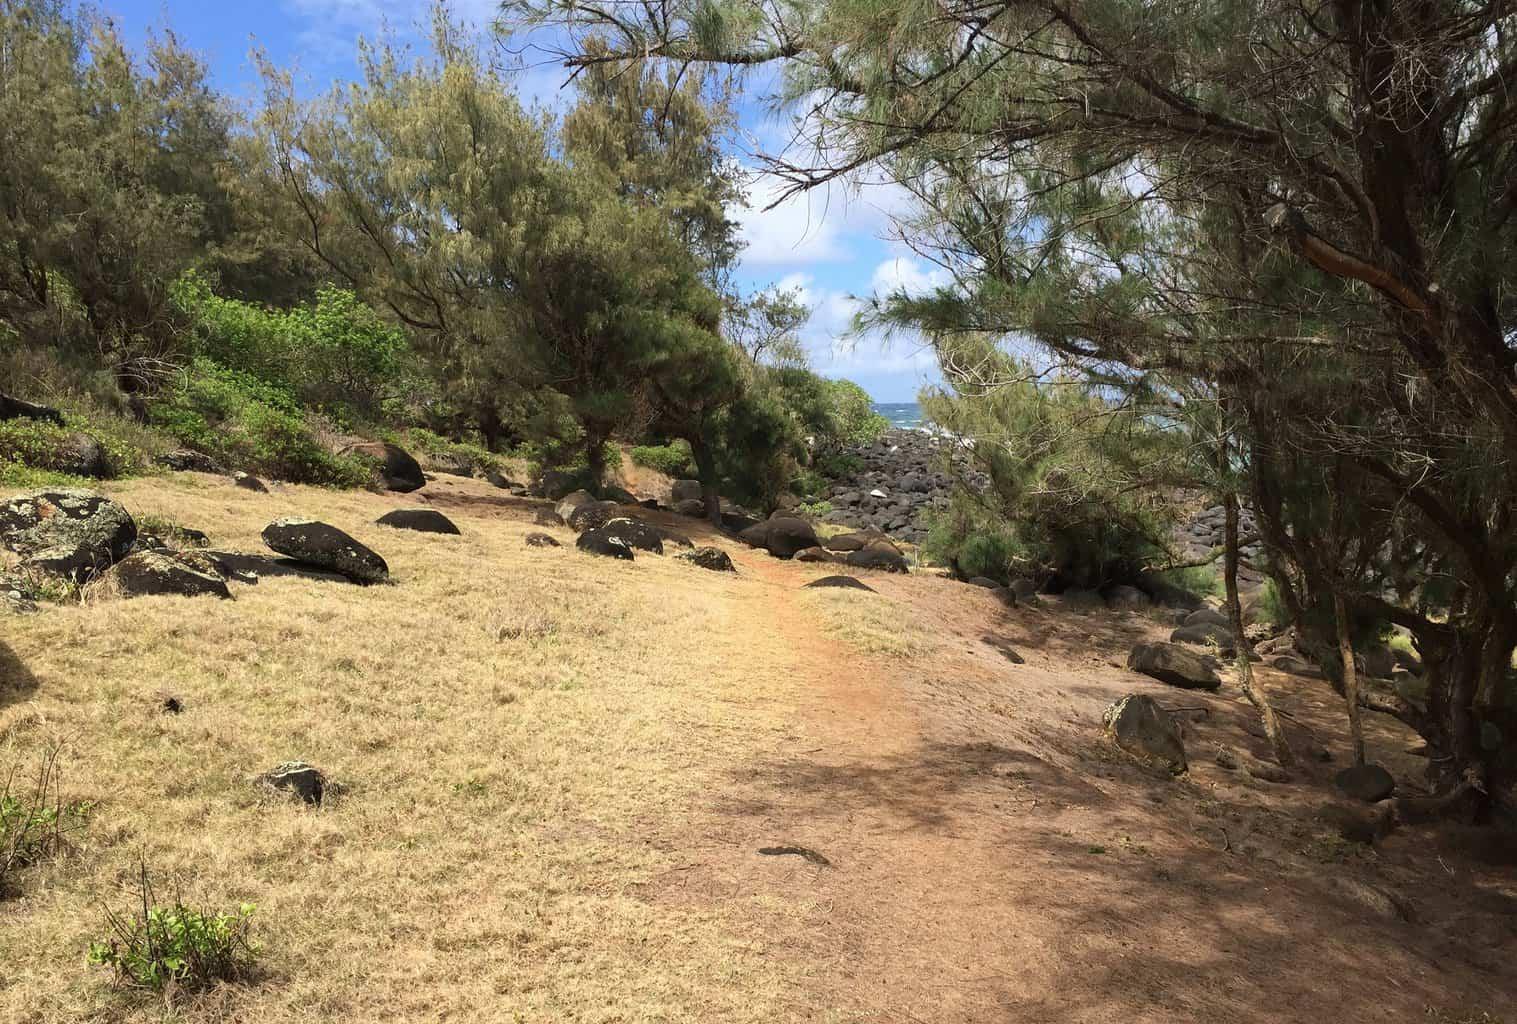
(547, 517)
(541, 540)
(309, 784)
(422, 520)
(714, 559)
(1207, 617)
(592, 514)
(816, 555)
(327, 547)
(1146, 731)
(70, 533)
(694, 508)
(841, 583)
(1205, 634)
(397, 469)
(1368, 782)
(187, 460)
(1174, 665)
(82, 455)
(1125, 597)
(249, 482)
(598, 542)
(16, 409)
(1296, 666)
(881, 555)
(146, 573)
(636, 535)
(620, 495)
(787, 536)
(737, 522)
(571, 501)
(555, 483)
(846, 542)
(674, 537)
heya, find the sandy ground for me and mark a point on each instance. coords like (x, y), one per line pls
(959, 842)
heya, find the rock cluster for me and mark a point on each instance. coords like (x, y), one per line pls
(904, 474)
(1206, 531)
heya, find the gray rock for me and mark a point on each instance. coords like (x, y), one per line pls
(1368, 782)
(325, 546)
(82, 455)
(1146, 731)
(817, 554)
(1204, 634)
(571, 501)
(1123, 596)
(711, 558)
(686, 490)
(620, 495)
(694, 508)
(541, 540)
(1025, 590)
(71, 533)
(1293, 665)
(1207, 617)
(1174, 665)
(422, 520)
(149, 573)
(845, 542)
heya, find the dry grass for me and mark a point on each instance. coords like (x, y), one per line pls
(515, 726)
(870, 623)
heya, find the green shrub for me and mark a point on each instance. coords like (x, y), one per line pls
(436, 446)
(24, 477)
(672, 459)
(1272, 610)
(150, 946)
(250, 424)
(47, 446)
(35, 821)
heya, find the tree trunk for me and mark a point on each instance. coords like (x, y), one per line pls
(705, 468)
(1350, 677)
(595, 458)
(1251, 689)
(490, 427)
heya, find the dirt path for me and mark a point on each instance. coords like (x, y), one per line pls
(989, 860)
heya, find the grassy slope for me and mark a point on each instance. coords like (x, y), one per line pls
(506, 718)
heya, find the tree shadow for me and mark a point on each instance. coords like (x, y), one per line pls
(16, 681)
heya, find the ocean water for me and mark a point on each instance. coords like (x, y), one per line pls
(902, 415)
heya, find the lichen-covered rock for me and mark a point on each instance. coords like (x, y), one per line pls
(1174, 665)
(711, 558)
(71, 533)
(82, 455)
(148, 573)
(591, 514)
(323, 545)
(422, 520)
(17, 595)
(636, 535)
(598, 542)
(249, 482)
(1146, 731)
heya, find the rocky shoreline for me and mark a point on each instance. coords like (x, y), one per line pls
(900, 479)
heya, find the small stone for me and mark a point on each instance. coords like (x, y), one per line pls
(422, 520)
(711, 558)
(300, 779)
(249, 482)
(541, 540)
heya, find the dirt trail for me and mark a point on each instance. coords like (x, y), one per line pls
(989, 860)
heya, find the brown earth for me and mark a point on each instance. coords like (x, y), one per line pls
(950, 839)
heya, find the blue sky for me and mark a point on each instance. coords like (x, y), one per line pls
(832, 246)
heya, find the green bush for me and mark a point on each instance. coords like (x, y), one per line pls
(436, 446)
(47, 446)
(35, 821)
(672, 459)
(973, 544)
(250, 424)
(335, 355)
(150, 946)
